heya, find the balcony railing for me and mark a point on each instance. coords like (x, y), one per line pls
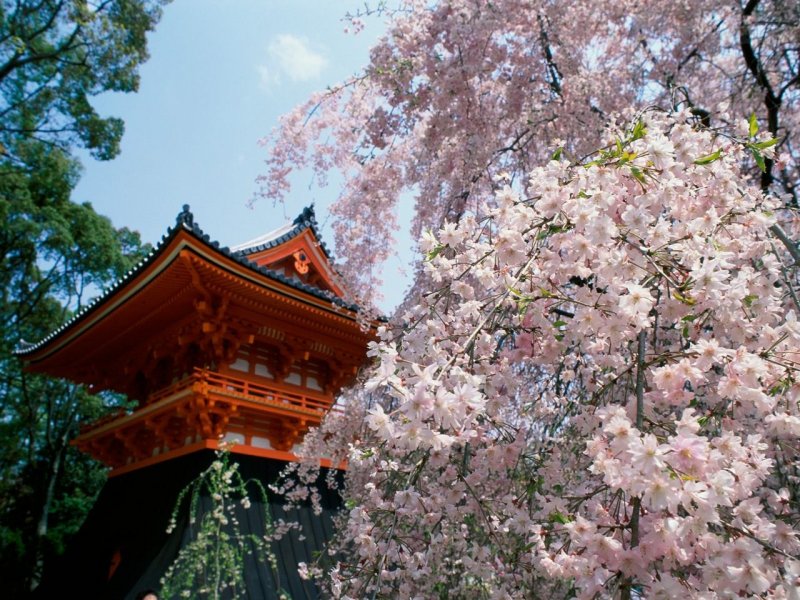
(213, 382)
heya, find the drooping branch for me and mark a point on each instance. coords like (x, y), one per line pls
(790, 245)
(636, 504)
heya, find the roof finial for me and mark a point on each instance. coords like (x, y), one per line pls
(185, 217)
(306, 217)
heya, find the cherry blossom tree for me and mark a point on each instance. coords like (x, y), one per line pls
(597, 396)
(594, 393)
(459, 93)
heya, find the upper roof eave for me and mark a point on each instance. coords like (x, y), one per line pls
(305, 220)
(184, 222)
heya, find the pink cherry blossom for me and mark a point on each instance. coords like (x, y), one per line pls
(592, 391)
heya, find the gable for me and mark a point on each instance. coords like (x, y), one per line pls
(301, 258)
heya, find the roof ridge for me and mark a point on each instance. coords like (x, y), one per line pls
(305, 220)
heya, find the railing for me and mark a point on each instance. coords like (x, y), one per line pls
(258, 392)
(245, 389)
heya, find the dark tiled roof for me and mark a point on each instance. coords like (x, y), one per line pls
(185, 222)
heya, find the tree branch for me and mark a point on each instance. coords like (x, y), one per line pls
(788, 243)
(771, 100)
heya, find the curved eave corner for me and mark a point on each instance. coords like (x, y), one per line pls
(305, 220)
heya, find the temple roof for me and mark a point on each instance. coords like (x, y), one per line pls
(281, 235)
(240, 254)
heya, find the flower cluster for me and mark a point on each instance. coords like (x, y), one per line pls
(598, 398)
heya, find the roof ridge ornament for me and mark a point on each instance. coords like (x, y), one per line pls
(185, 217)
(22, 345)
(307, 217)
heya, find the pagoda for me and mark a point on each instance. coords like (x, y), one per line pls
(246, 346)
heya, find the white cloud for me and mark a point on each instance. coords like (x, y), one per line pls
(292, 57)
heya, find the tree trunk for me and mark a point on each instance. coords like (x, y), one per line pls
(42, 524)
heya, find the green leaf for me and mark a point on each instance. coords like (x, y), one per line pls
(639, 130)
(753, 125)
(554, 229)
(759, 159)
(638, 175)
(557, 154)
(685, 299)
(559, 323)
(558, 517)
(749, 300)
(434, 253)
(764, 144)
(779, 388)
(708, 159)
(626, 157)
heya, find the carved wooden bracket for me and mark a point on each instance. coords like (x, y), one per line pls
(286, 434)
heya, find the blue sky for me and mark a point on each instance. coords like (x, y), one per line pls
(220, 74)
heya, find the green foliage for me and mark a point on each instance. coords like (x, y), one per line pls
(54, 253)
(709, 158)
(55, 55)
(752, 125)
(211, 564)
(756, 147)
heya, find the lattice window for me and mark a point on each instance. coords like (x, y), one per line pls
(263, 361)
(259, 360)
